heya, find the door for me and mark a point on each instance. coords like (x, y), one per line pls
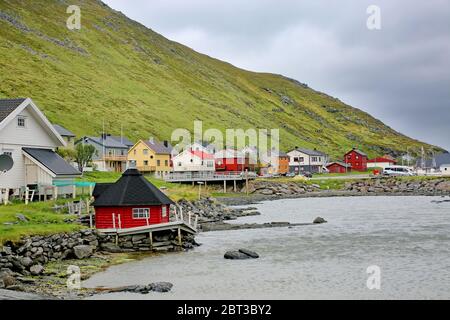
(31, 174)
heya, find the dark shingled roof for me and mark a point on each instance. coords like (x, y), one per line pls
(9, 105)
(123, 140)
(63, 131)
(310, 152)
(100, 188)
(158, 147)
(132, 189)
(52, 161)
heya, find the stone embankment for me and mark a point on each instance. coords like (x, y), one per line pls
(29, 256)
(393, 185)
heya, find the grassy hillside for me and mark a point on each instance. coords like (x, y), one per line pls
(116, 70)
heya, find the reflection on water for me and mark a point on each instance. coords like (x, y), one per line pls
(407, 237)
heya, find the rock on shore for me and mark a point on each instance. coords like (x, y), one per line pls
(241, 254)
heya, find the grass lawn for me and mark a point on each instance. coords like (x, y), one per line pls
(42, 220)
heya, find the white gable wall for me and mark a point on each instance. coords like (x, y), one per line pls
(14, 138)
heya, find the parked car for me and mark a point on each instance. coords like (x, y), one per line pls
(397, 171)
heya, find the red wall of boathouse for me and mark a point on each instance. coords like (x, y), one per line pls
(104, 217)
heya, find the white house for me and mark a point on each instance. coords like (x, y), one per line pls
(301, 160)
(193, 161)
(30, 140)
(380, 162)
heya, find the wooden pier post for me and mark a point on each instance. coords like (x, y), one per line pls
(27, 195)
(234, 187)
(6, 197)
(74, 192)
(224, 186)
(150, 234)
(246, 181)
(179, 237)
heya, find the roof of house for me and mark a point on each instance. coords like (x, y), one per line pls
(108, 142)
(52, 161)
(202, 155)
(228, 154)
(357, 151)
(132, 189)
(100, 188)
(9, 105)
(123, 140)
(342, 164)
(63, 131)
(159, 147)
(309, 152)
(381, 159)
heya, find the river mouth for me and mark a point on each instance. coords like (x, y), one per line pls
(408, 238)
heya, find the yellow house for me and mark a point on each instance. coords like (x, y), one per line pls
(151, 157)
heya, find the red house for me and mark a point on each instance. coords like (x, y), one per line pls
(339, 167)
(230, 161)
(130, 202)
(357, 159)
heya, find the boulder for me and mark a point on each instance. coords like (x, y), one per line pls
(319, 220)
(236, 255)
(21, 217)
(36, 270)
(6, 279)
(161, 286)
(83, 251)
(250, 253)
(111, 247)
(26, 261)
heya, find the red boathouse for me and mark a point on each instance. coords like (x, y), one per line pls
(357, 159)
(339, 167)
(130, 202)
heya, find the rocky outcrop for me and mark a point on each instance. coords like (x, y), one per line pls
(29, 256)
(319, 220)
(272, 188)
(393, 185)
(142, 289)
(209, 210)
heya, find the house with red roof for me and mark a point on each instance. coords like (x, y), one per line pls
(380, 162)
(192, 160)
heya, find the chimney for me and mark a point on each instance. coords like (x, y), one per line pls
(104, 135)
(166, 143)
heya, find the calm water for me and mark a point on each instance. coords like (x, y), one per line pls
(407, 237)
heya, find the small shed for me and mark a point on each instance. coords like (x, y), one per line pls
(339, 167)
(130, 202)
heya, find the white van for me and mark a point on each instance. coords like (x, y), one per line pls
(398, 171)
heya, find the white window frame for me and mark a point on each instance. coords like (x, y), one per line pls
(164, 211)
(8, 152)
(24, 119)
(141, 213)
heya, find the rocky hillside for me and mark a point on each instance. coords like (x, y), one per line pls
(115, 69)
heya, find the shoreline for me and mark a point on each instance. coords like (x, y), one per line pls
(51, 285)
(258, 198)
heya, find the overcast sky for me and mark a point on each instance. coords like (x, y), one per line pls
(399, 74)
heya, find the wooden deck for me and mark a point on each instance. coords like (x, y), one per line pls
(208, 176)
(174, 225)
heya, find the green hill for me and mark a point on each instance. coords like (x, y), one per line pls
(115, 69)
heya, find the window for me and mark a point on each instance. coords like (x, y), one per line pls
(314, 159)
(164, 211)
(141, 213)
(145, 152)
(357, 157)
(166, 163)
(179, 164)
(295, 159)
(21, 122)
(158, 163)
(8, 152)
(145, 162)
(210, 164)
(134, 151)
